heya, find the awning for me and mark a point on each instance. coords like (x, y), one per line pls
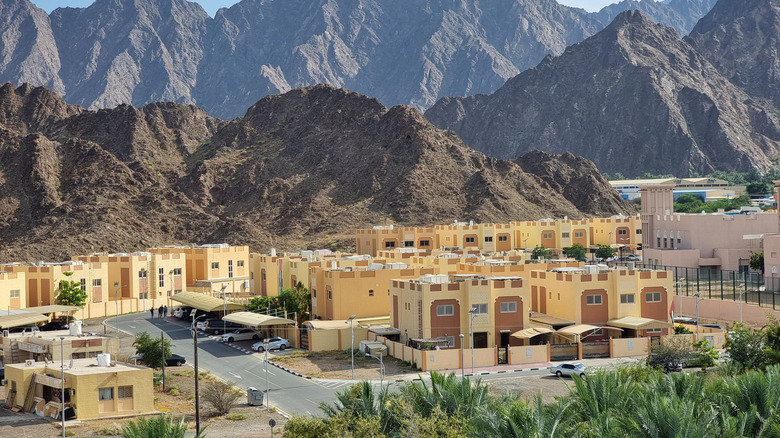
(582, 328)
(638, 323)
(545, 319)
(51, 309)
(318, 324)
(385, 331)
(21, 319)
(256, 319)
(530, 332)
(204, 302)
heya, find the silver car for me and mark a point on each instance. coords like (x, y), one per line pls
(569, 369)
(243, 334)
(273, 344)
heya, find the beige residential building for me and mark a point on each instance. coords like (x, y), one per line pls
(13, 290)
(43, 280)
(142, 275)
(211, 267)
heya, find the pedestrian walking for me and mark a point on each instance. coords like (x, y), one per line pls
(152, 312)
(159, 312)
(165, 311)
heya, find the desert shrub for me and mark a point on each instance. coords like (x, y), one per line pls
(236, 416)
(220, 396)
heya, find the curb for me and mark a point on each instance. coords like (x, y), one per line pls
(289, 370)
(105, 323)
(243, 350)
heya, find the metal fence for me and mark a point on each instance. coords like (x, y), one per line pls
(720, 284)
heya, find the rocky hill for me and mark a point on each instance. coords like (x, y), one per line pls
(682, 15)
(633, 98)
(402, 52)
(307, 166)
(741, 39)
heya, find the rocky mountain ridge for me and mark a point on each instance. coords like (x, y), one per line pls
(633, 98)
(402, 52)
(306, 167)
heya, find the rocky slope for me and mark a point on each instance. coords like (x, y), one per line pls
(632, 98)
(305, 166)
(741, 39)
(402, 52)
(682, 15)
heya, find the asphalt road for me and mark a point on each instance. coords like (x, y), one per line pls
(289, 393)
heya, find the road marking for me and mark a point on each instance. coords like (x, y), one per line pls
(235, 375)
(131, 326)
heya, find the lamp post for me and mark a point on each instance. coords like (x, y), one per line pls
(697, 316)
(352, 343)
(462, 359)
(224, 308)
(62, 378)
(473, 313)
(116, 301)
(525, 243)
(266, 343)
(197, 395)
(381, 367)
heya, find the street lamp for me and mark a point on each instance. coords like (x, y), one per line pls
(197, 395)
(352, 342)
(462, 360)
(224, 308)
(473, 313)
(381, 367)
(116, 300)
(525, 243)
(62, 383)
(697, 316)
(266, 344)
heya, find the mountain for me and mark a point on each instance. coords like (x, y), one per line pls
(682, 15)
(310, 165)
(633, 93)
(402, 52)
(741, 39)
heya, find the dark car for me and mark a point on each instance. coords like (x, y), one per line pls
(668, 367)
(217, 326)
(58, 323)
(176, 360)
(29, 328)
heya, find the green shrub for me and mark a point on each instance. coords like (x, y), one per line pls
(236, 416)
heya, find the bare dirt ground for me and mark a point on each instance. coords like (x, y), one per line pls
(338, 365)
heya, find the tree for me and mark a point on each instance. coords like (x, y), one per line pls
(772, 346)
(705, 354)
(151, 350)
(757, 261)
(604, 252)
(540, 252)
(221, 396)
(156, 427)
(576, 251)
(672, 351)
(745, 346)
(70, 293)
(261, 303)
(296, 300)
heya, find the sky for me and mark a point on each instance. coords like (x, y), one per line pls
(211, 6)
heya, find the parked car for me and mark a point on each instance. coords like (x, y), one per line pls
(243, 334)
(569, 369)
(182, 312)
(176, 360)
(654, 360)
(59, 323)
(29, 328)
(276, 343)
(218, 326)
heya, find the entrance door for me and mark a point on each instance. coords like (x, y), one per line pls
(503, 349)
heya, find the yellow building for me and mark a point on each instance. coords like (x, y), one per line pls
(43, 280)
(92, 391)
(211, 267)
(41, 346)
(13, 290)
(600, 296)
(617, 231)
(142, 275)
(390, 237)
(437, 306)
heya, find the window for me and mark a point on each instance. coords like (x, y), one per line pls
(445, 310)
(177, 271)
(408, 243)
(653, 297)
(371, 292)
(593, 300)
(230, 268)
(15, 293)
(470, 240)
(83, 284)
(330, 294)
(313, 294)
(503, 238)
(679, 237)
(214, 265)
(97, 283)
(240, 263)
(653, 331)
(451, 341)
(565, 235)
(658, 242)
(161, 277)
(105, 394)
(626, 298)
(390, 244)
(579, 234)
(509, 307)
(124, 392)
(142, 273)
(425, 243)
(480, 309)
(639, 231)
(547, 235)
(488, 238)
(622, 232)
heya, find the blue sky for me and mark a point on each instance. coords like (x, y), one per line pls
(211, 6)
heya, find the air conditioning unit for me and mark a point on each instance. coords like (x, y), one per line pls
(6, 333)
(3, 382)
(29, 362)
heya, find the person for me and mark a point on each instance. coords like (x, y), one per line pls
(159, 312)
(151, 310)
(165, 311)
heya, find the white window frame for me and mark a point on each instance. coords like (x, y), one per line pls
(15, 293)
(624, 299)
(481, 308)
(488, 238)
(445, 310)
(591, 300)
(161, 277)
(97, 282)
(105, 394)
(122, 391)
(508, 307)
(650, 297)
(503, 238)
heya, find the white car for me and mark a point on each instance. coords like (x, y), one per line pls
(569, 369)
(244, 334)
(273, 344)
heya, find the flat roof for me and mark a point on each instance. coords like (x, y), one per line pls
(80, 366)
(51, 309)
(205, 302)
(256, 319)
(17, 319)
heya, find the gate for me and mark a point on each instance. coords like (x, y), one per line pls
(563, 352)
(502, 355)
(592, 350)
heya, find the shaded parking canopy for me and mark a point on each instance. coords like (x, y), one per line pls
(580, 329)
(18, 319)
(638, 323)
(250, 319)
(544, 319)
(530, 332)
(204, 302)
(51, 309)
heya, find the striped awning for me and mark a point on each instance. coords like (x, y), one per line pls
(18, 319)
(204, 302)
(250, 319)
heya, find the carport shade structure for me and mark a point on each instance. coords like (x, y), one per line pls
(531, 332)
(18, 319)
(204, 302)
(638, 323)
(250, 319)
(582, 331)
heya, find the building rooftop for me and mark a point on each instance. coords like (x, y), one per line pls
(77, 366)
